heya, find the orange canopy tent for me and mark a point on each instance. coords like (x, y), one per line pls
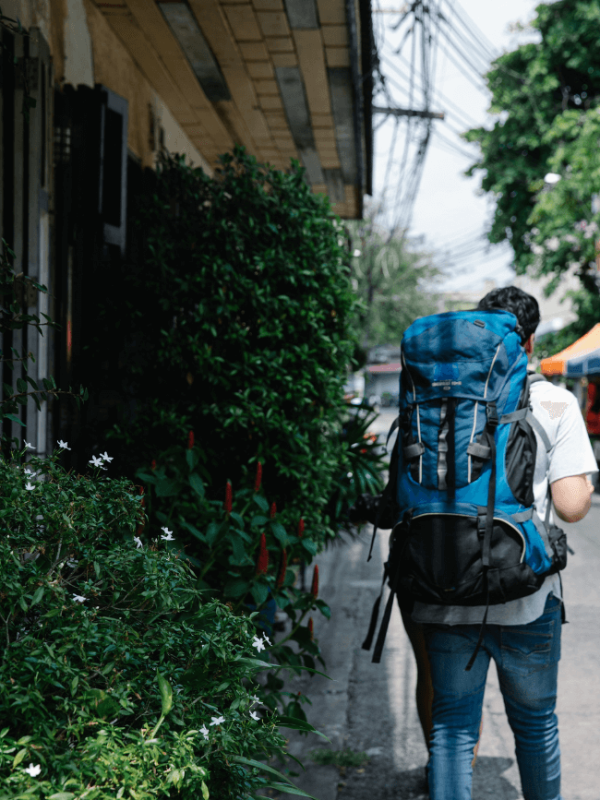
(580, 358)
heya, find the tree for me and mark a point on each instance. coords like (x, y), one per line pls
(393, 282)
(545, 97)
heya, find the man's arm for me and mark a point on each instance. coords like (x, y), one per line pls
(572, 497)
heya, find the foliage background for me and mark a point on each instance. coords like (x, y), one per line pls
(237, 322)
(545, 99)
(394, 282)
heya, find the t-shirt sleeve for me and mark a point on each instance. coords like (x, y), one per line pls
(572, 453)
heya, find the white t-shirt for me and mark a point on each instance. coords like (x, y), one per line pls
(571, 454)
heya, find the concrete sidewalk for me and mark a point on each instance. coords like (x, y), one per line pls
(370, 707)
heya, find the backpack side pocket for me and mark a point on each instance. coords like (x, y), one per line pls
(558, 542)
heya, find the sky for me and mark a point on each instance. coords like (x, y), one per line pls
(450, 210)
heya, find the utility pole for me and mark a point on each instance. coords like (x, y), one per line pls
(408, 112)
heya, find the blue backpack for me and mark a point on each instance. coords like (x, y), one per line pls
(461, 475)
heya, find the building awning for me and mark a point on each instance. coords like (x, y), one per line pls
(289, 80)
(580, 358)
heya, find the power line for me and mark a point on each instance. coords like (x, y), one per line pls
(444, 101)
(469, 25)
(456, 147)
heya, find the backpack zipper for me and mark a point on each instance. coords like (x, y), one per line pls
(498, 519)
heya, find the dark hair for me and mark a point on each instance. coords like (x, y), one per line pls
(522, 305)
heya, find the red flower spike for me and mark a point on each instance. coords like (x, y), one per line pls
(190, 440)
(301, 528)
(314, 589)
(311, 628)
(228, 498)
(262, 563)
(273, 510)
(258, 479)
(282, 570)
(153, 465)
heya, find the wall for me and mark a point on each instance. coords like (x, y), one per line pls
(86, 51)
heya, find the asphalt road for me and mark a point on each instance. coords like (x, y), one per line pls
(370, 708)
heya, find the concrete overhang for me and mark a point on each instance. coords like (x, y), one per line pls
(286, 78)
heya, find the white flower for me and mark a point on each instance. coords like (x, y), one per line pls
(255, 699)
(138, 541)
(217, 720)
(63, 445)
(259, 644)
(29, 447)
(266, 639)
(106, 457)
(169, 537)
(29, 486)
(97, 462)
(79, 598)
(254, 716)
(29, 471)
(204, 731)
(553, 243)
(356, 253)
(33, 770)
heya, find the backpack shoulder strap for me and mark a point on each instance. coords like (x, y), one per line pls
(388, 493)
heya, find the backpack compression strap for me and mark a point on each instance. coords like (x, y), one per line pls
(486, 547)
(389, 490)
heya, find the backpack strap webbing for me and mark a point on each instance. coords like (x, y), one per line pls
(388, 492)
(486, 545)
(366, 645)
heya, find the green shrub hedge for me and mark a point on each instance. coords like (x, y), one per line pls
(117, 679)
(236, 322)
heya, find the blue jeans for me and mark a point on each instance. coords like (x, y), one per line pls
(526, 658)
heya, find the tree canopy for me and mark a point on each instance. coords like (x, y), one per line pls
(390, 279)
(545, 97)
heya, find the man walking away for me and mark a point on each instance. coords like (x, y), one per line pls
(522, 636)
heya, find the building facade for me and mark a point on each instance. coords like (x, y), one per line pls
(113, 84)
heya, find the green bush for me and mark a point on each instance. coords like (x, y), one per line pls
(117, 679)
(243, 551)
(237, 323)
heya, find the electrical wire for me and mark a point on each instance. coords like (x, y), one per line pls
(444, 101)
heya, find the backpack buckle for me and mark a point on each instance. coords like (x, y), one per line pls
(491, 413)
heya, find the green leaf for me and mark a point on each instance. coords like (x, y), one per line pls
(168, 487)
(19, 757)
(253, 663)
(205, 792)
(236, 587)
(290, 789)
(193, 530)
(285, 721)
(12, 418)
(260, 592)
(166, 694)
(259, 520)
(39, 593)
(309, 545)
(279, 533)
(261, 502)
(250, 762)
(197, 484)
(236, 517)
(62, 796)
